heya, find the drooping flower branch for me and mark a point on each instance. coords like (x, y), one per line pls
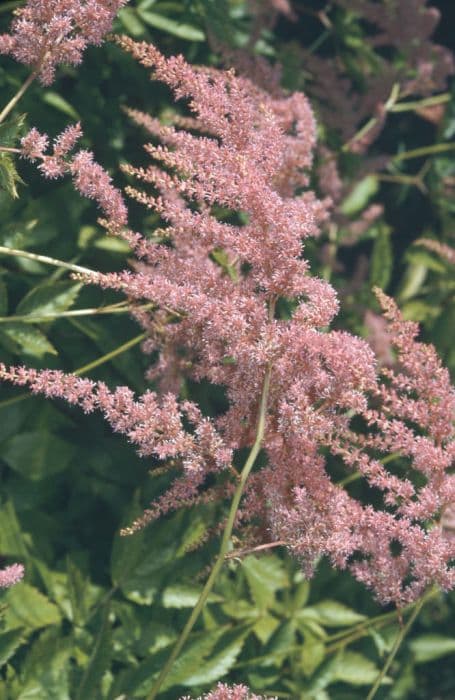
(46, 33)
(89, 178)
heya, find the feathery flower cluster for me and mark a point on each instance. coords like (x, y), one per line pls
(48, 32)
(11, 575)
(226, 692)
(89, 178)
(237, 209)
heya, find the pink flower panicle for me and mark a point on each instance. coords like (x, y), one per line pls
(11, 575)
(214, 283)
(48, 32)
(89, 178)
(226, 692)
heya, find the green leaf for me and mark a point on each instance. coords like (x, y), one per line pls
(429, 647)
(265, 576)
(11, 130)
(185, 596)
(356, 669)
(332, 614)
(11, 538)
(138, 681)
(48, 299)
(9, 642)
(53, 99)
(265, 627)
(413, 279)
(359, 197)
(38, 454)
(46, 668)
(419, 310)
(9, 176)
(171, 26)
(197, 650)
(419, 256)
(280, 644)
(382, 259)
(21, 338)
(128, 16)
(311, 655)
(219, 665)
(29, 608)
(98, 663)
(113, 245)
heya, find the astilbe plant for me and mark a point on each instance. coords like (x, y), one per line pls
(307, 396)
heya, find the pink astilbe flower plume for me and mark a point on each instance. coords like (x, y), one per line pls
(89, 178)
(229, 692)
(328, 404)
(48, 32)
(11, 575)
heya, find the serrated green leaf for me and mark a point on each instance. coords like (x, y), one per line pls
(49, 299)
(53, 99)
(359, 197)
(171, 26)
(38, 454)
(22, 338)
(197, 650)
(331, 613)
(216, 667)
(265, 576)
(28, 608)
(9, 642)
(11, 129)
(9, 177)
(428, 647)
(356, 669)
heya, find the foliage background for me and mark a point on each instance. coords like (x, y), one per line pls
(97, 612)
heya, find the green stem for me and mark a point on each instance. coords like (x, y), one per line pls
(224, 542)
(420, 104)
(14, 100)
(45, 259)
(425, 151)
(371, 123)
(44, 318)
(405, 629)
(110, 355)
